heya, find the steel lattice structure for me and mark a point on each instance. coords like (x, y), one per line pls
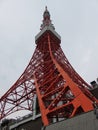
(61, 92)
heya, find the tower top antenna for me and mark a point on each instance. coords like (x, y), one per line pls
(45, 7)
(46, 19)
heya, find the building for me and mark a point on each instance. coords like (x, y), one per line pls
(85, 121)
(24, 123)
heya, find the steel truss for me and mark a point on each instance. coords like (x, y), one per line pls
(61, 92)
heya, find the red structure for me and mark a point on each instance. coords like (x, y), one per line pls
(61, 92)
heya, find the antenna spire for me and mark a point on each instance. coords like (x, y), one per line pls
(46, 19)
(46, 7)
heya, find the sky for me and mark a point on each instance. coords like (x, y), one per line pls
(75, 20)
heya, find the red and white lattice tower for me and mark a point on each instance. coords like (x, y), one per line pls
(61, 92)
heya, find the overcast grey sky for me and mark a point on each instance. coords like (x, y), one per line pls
(75, 20)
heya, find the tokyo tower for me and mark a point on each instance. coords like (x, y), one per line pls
(61, 92)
